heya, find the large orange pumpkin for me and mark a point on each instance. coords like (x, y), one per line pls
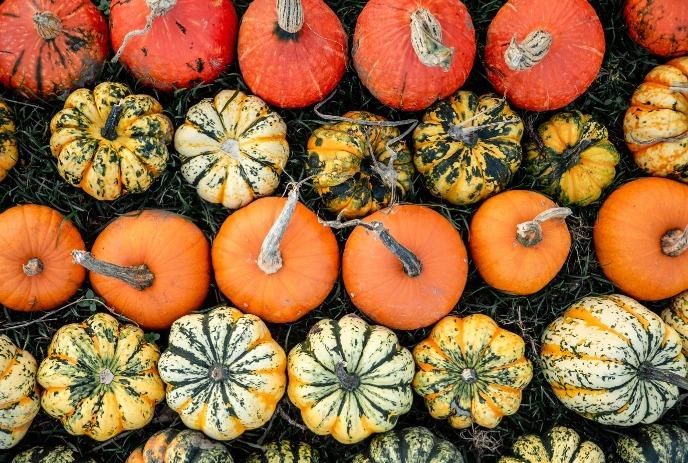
(543, 54)
(410, 53)
(36, 268)
(660, 26)
(292, 53)
(519, 241)
(641, 238)
(151, 266)
(405, 267)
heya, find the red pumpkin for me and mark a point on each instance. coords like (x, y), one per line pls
(660, 26)
(189, 41)
(51, 47)
(292, 53)
(410, 53)
(543, 54)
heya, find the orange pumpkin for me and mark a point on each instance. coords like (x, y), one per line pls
(405, 267)
(660, 26)
(641, 238)
(36, 268)
(543, 54)
(274, 259)
(151, 266)
(519, 241)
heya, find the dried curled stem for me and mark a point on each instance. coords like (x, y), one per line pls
(529, 52)
(290, 15)
(530, 233)
(426, 39)
(138, 277)
(157, 8)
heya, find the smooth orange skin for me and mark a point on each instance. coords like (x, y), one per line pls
(377, 283)
(503, 262)
(570, 66)
(627, 236)
(30, 231)
(310, 257)
(659, 26)
(174, 250)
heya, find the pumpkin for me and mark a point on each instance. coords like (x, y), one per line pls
(59, 454)
(410, 53)
(151, 266)
(641, 238)
(350, 379)
(285, 451)
(172, 446)
(659, 26)
(405, 267)
(468, 147)
(346, 160)
(471, 371)
(656, 122)
(292, 53)
(170, 44)
(224, 372)
(109, 142)
(614, 361)
(233, 148)
(100, 378)
(19, 394)
(35, 260)
(49, 47)
(654, 443)
(9, 154)
(542, 54)
(571, 158)
(519, 241)
(410, 445)
(558, 445)
(676, 316)
(275, 260)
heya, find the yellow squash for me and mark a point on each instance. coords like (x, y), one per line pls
(676, 316)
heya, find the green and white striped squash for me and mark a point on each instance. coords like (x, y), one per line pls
(285, 451)
(410, 445)
(59, 454)
(676, 316)
(614, 361)
(655, 443)
(224, 372)
(559, 445)
(350, 379)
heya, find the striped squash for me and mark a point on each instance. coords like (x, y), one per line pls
(9, 154)
(285, 451)
(172, 446)
(655, 443)
(471, 371)
(60, 454)
(612, 360)
(558, 445)
(224, 372)
(410, 445)
(676, 316)
(350, 379)
(100, 378)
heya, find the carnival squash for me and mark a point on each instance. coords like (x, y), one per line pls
(410, 445)
(659, 26)
(676, 316)
(558, 445)
(100, 378)
(172, 446)
(9, 154)
(59, 454)
(109, 142)
(233, 148)
(285, 451)
(350, 379)
(612, 360)
(655, 443)
(468, 147)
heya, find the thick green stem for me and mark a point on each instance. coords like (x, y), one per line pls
(109, 130)
(649, 371)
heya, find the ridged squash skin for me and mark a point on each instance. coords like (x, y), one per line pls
(410, 445)
(9, 153)
(173, 446)
(559, 445)
(285, 451)
(655, 443)
(60, 454)
(676, 316)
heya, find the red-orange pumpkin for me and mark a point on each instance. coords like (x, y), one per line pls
(189, 41)
(660, 26)
(410, 53)
(51, 47)
(543, 54)
(292, 53)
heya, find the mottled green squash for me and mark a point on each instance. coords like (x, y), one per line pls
(285, 451)
(655, 443)
(410, 445)
(676, 316)
(173, 446)
(558, 445)
(59, 454)
(9, 154)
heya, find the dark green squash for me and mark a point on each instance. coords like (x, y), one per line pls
(285, 451)
(60, 454)
(410, 445)
(655, 443)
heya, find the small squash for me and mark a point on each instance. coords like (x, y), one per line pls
(471, 371)
(612, 360)
(100, 378)
(9, 153)
(151, 266)
(542, 54)
(233, 148)
(410, 445)
(59, 454)
(676, 316)
(350, 379)
(109, 142)
(344, 159)
(659, 26)
(519, 241)
(641, 238)
(571, 158)
(19, 393)
(285, 451)
(654, 443)
(468, 147)
(224, 372)
(558, 445)
(35, 258)
(172, 446)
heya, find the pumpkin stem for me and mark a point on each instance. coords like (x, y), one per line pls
(652, 141)
(426, 39)
(106, 376)
(33, 267)
(530, 234)
(218, 372)
(138, 277)
(675, 242)
(533, 49)
(647, 370)
(348, 381)
(47, 25)
(109, 130)
(469, 375)
(290, 15)
(157, 8)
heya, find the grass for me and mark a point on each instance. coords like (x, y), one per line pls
(35, 180)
